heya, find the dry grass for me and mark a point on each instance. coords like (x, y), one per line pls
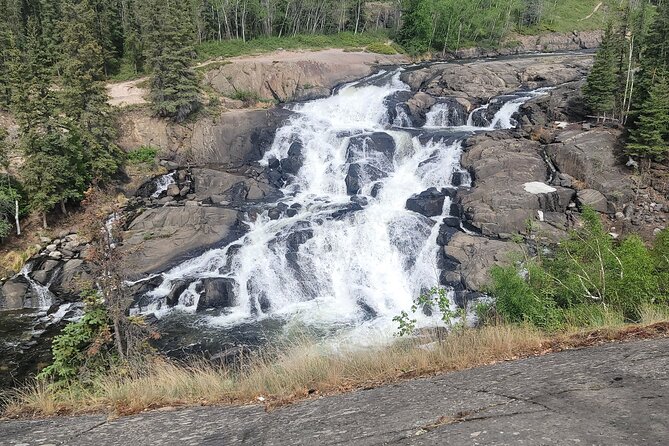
(305, 369)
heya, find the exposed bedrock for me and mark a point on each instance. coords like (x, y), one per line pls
(504, 168)
(480, 80)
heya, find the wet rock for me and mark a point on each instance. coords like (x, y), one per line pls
(429, 203)
(173, 190)
(342, 213)
(13, 293)
(177, 290)
(216, 293)
(362, 201)
(160, 237)
(274, 214)
(360, 175)
(376, 189)
(361, 147)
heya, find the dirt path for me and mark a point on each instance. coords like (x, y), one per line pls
(127, 93)
(134, 93)
(614, 394)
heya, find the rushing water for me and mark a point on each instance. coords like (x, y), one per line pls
(333, 263)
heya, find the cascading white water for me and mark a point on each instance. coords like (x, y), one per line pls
(163, 183)
(45, 298)
(328, 269)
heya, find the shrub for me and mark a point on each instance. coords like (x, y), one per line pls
(142, 155)
(381, 48)
(246, 96)
(81, 343)
(589, 278)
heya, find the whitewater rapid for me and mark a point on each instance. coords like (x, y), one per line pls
(337, 261)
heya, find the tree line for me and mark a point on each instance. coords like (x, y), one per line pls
(629, 81)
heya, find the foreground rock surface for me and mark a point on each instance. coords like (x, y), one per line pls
(616, 394)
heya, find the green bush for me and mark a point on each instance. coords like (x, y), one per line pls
(81, 344)
(590, 277)
(381, 48)
(142, 155)
(246, 96)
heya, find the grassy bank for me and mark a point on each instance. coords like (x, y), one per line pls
(346, 40)
(306, 368)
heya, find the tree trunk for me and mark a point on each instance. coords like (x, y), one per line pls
(16, 216)
(63, 209)
(44, 223)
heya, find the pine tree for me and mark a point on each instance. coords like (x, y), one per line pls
(650, 138)
(168, 42)
(600, 88)
(8, 56)
(84, 96)
(54, 169)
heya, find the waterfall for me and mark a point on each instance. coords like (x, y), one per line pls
(339, 260)
(45, 298)
(163, 183)
(443, 115)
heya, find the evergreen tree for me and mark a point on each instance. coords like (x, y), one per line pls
(601, 86)
(84, 96)
(168, 42)
(8, 55)
(54, 169)
(650, 138)
(655, 55)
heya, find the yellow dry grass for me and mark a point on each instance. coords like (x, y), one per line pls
(305, 368)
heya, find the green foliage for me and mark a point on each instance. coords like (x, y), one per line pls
(84, 98)
(246, 96)
(232, 48)
(381, 48)
(601, 87)
(650, 137)
(169, 52)
(589, 277)
(522, 299)
(435, 298)
(84, 343)
(142, 155)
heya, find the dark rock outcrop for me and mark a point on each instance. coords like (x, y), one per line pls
(216, 293)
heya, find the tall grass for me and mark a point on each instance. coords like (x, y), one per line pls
(293, 372)
(284, 374)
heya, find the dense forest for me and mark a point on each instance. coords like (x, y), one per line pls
(629, 82)
(56, 55)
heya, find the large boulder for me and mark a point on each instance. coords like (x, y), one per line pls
(231, 139)
(371, 146)
(13, 293)
(361, 175)
(429, 203)
(564, 103)
(161, 237)
(475, 256)
(216, 293)
(592, 158)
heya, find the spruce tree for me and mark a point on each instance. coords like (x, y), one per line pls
(168, 37)
(650, 137)
(8, 56)
(84, 97)
(55, 165)
(600, 88)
